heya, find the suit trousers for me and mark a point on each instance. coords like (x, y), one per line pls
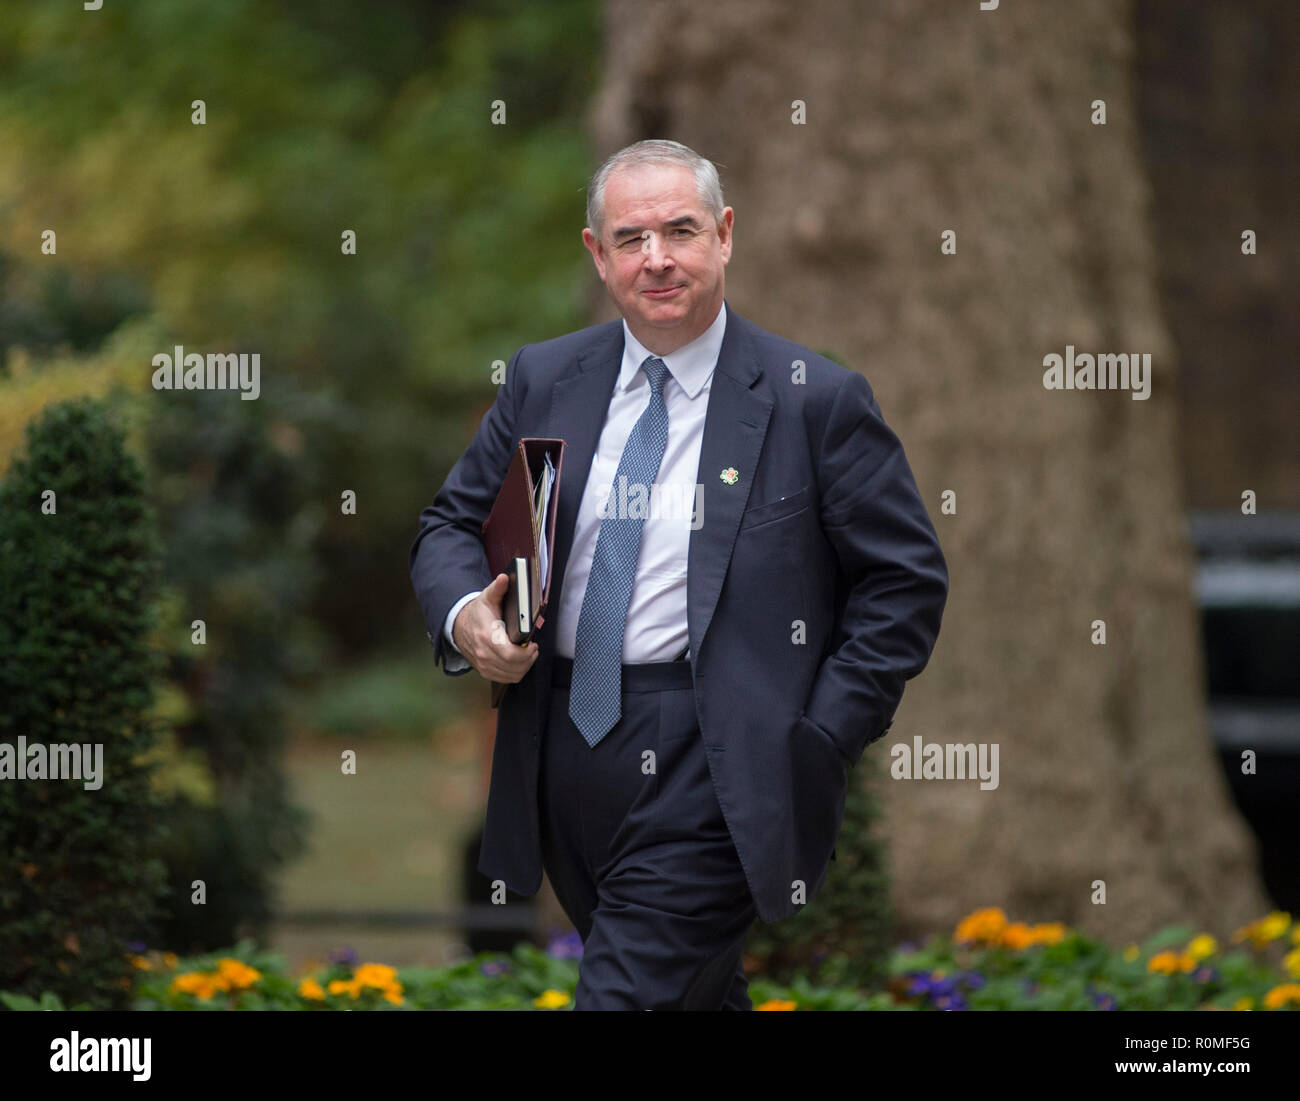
(638, 853)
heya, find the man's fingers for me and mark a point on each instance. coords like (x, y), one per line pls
(510, 668)
(502, 660)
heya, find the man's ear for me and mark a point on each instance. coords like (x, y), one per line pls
(724, 232)
(597, 251)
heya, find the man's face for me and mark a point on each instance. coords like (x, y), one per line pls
(660, 254)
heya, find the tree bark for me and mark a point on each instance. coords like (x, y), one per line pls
(924, 117)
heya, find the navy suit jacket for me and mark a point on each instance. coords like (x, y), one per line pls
(815, 589)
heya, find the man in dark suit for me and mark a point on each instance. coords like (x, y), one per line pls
(674, 745)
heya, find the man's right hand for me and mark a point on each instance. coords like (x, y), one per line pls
(480, 634)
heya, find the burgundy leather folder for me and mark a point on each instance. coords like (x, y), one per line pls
(512, 531)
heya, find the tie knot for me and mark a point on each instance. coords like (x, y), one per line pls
(656, 370)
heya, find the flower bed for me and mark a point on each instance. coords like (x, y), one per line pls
(988, 963)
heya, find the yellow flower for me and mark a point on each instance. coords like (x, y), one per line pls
(1266, 929)
(774, 1005)
(551, 999)
(1131, 953)
(1291, 961)
(310, 988)
(1275, 925)
(393, 993)
(374, 974)
(343, 986)
(1244, 1003)
(237, 974)
(170, 960)
(1202, 947)
(1295, 935)
(984, 925)
(140, 962)
(1286, 994)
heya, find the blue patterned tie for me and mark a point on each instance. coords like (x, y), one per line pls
(596, 685)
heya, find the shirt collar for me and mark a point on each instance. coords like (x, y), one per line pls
(691, 365)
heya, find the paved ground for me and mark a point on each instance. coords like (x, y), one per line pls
(387, 838)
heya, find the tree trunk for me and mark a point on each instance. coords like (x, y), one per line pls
(926, 117)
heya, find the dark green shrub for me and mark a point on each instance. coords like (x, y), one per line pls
(77, 603)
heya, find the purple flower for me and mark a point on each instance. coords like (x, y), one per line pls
(136, 945)
(567, 946)
(972, 980)
(944, 987)
(950, 1002)
(495, 967)
(346, 956)
(1103, 1001)
(1205, 974)
(921, 983)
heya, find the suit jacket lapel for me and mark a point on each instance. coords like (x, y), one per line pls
(735, 426)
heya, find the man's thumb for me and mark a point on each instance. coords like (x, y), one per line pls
(495, 593)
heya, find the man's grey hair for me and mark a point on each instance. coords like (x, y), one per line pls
(655, 151)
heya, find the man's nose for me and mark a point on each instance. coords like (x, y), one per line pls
(655, 253)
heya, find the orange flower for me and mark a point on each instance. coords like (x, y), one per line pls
(343, 986)
(984, 925)
(237, 974)
(188, 983)
(310, 988)
(1286, 994)
(1016, 936)
(374, 974)
(1051, 932)
(774, 1004)
(1166, 963)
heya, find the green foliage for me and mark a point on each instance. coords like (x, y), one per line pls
(238, 524)
(320, 119)
(841, 937)
(1072, 973)
(376, 366)
(77, 603)
(389, 697)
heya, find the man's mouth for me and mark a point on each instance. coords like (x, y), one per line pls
(663, 292)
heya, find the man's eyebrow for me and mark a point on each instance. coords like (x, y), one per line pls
(636, 231)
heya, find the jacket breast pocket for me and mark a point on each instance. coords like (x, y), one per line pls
(776, 510)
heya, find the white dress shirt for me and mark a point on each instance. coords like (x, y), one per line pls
(656, 613)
